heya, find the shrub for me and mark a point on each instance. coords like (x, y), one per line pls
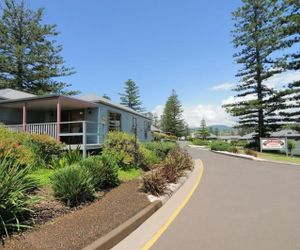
(12, 146)
(123, 149)
(163, 137)
(161, 149)
(15, 198)
(149, 157)
(201, 142)
(238, 143)
(45, 147)
(103, 171)
(220, 146)
(252, 145)
(234, 150)
(292, 144)
(251, 152)
(154, 182)
(176, 162)
(33, 150)
(73, 185)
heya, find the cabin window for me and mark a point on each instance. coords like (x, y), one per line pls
(114, 121)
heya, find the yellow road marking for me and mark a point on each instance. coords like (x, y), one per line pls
(157, 235)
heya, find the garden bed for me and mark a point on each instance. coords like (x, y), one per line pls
(81, 226)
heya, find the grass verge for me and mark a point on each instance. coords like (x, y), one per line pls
(279, 157)
(130, 174)
(42, 176)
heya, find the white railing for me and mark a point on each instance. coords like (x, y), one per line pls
(87, 131)
(35, 128)
(16, 128)
(42, 129)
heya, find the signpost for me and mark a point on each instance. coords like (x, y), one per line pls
(274, 144)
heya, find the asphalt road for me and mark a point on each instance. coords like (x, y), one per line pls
(239, 204)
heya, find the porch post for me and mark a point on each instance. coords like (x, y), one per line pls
(24, 119)
(58, 118)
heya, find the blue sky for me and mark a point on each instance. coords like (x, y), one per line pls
(161, 45)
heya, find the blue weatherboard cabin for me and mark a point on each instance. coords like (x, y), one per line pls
(83, 120)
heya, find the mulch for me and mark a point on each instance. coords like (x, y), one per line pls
(77, 228)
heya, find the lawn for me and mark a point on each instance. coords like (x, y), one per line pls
(42, 176)
(130, 174)
(279, 157)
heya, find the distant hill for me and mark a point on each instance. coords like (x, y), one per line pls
(220, 127)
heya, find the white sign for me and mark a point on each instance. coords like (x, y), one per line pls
(273, 143)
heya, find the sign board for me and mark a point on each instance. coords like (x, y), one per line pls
(273, 143)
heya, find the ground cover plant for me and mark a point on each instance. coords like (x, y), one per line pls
(161, 149)
(201, 142)
(15, 195)
(220, 146)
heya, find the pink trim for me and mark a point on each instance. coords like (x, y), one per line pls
(24, 119)
(58, 118)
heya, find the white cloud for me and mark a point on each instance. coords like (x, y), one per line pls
(224, 86)
(233, 99)
(213, 114)
(277, 81)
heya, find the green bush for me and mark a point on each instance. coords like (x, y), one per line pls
(45, 147)
(252, 145)
(122, 147)
(103, 171)
(200, 142)
(149, 157)
(161, 149)
(66, 158)
(15, 198)
(240, 143)
(34, 150)
(73, 185)
(163, 137)
(292, 144)
(12, 146)
(220, 146)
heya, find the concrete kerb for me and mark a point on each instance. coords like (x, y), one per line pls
(116, 235)
(121, 232)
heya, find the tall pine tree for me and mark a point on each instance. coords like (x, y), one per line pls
(290, 23)
(131, 96)
(29, 57)
(203, 131)
(171, 120)
(255, 35)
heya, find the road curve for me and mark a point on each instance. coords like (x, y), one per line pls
(239, 204)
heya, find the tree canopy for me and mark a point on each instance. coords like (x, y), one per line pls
(256, 36)
(203, 131)
(131, 96)
(30, 59)
(171, 120)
